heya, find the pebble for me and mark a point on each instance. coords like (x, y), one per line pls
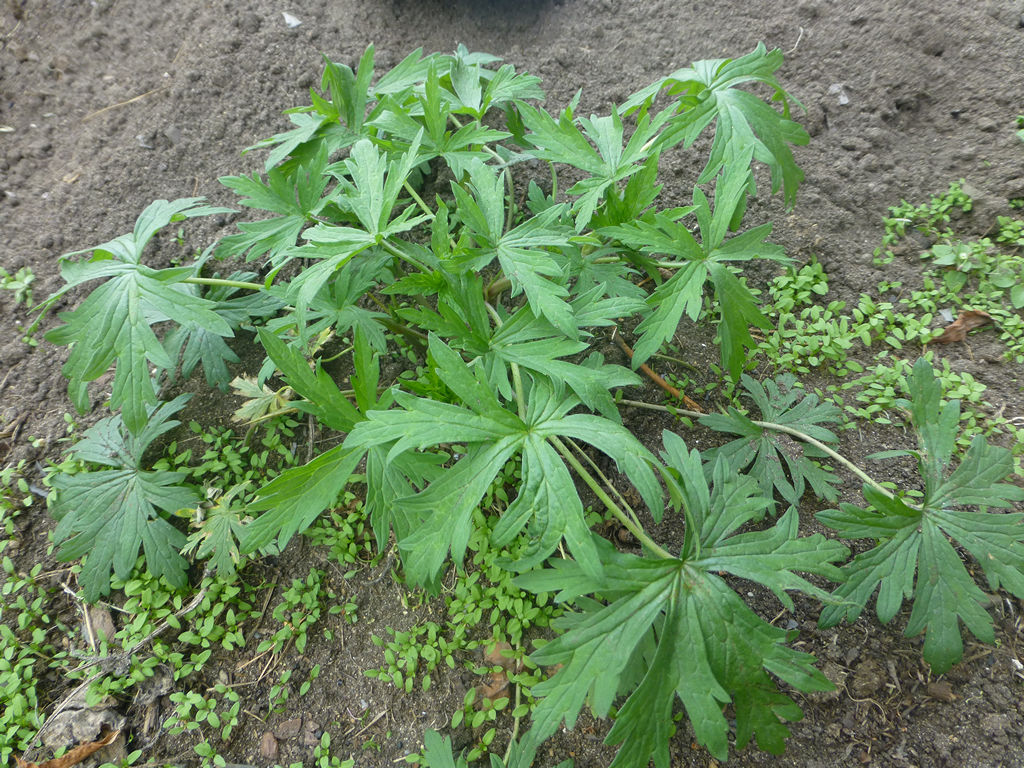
(268, 746)
(289, 729)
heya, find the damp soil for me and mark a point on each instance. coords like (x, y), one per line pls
(110, 104)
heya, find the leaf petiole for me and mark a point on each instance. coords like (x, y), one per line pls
(604, 479)
(517, 376)
(397, 253)
(611, 506)
(419, 200)
(786, 430)
(224, 283)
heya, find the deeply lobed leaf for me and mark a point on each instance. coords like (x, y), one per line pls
(916, 540)
(708, 648)
(766, 453)
(106, 515)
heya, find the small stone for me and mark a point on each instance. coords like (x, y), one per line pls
(941, 690)
(268, 746)
(289, 729)
(995, 727)
(102, 624)
(310, 734)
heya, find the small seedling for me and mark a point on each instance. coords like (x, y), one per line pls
(20, 284)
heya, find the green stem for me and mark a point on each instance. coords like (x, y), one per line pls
(498, 286)
(515, 725)
(665, 264)
(517, 383)
(404, 256)
(225, 283)
(517, 377)
(418, 199)
(604, 479)
(609, 504)
(511, 199)
(831, 453)
(803, 436)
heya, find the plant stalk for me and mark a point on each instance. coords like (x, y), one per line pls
(404, 257)
(604, 479)
(611, 506)
(225, 283)
(515, 725)
(793, 432)
(517, 377)
(419, 200)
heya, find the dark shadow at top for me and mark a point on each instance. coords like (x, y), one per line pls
(494, 13)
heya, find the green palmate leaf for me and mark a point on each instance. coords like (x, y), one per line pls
(217, 534)
(296, 197)
(911, 539)
(708, 648)
(591, 384)
(616, 279)
(439, 517)
(437, 750)
(332, 123)
(524, 252)
(700, 263)
(707, 93)
(388, 481)
(597, 149)
(936, 423)
(196, 345)
(639, 194)
(477, 89)
(349, 90)
(114, 322)
(548, 498)
(335, 308)
(504, 87)
(106, 514)
(459, 148)
(775, 459)
(309, 128)
(446, 508)
(534, 344)
(370, 185)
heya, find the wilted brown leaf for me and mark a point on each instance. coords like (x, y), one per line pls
(73, 756)
(967, 320)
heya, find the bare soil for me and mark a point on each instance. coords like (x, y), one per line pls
(110, 104)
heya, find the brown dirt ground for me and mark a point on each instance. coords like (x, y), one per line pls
(110, 104)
